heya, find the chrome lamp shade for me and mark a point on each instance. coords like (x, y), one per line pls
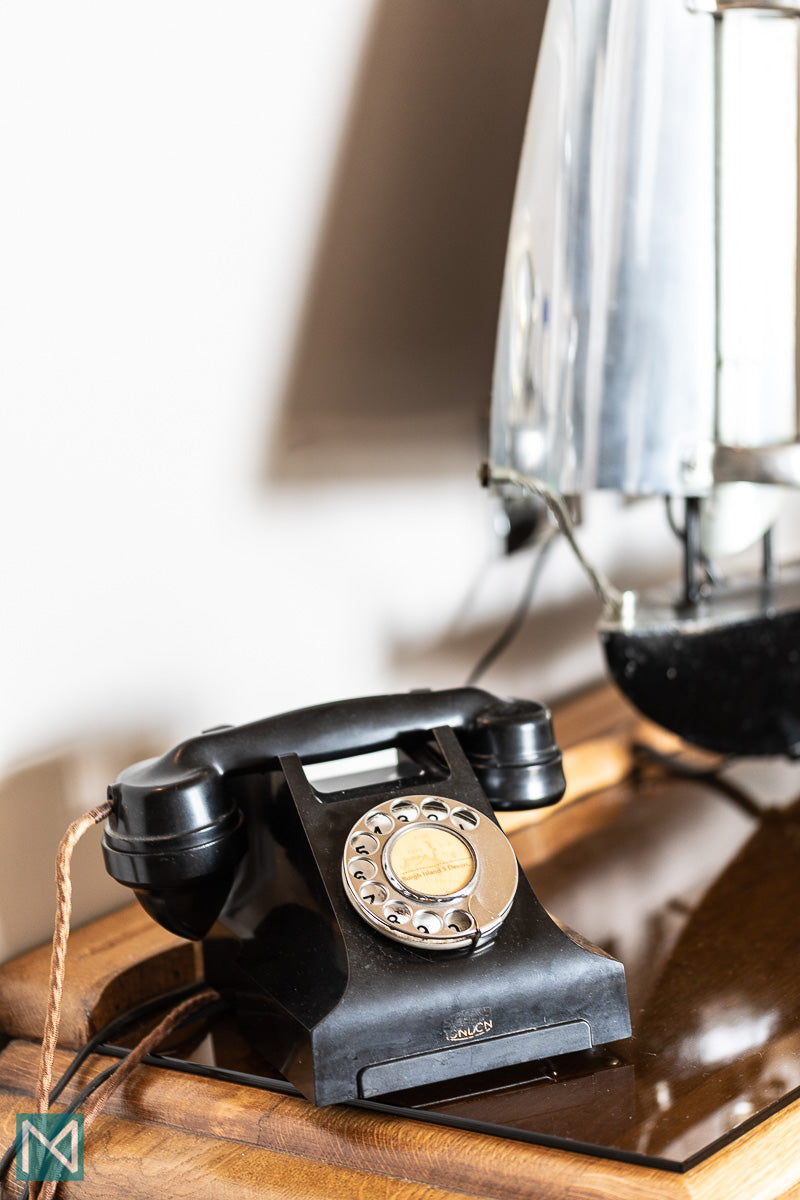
(647, 333)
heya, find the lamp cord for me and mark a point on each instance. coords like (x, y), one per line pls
(612, 599)
(517, 620)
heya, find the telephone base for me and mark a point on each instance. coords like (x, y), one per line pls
(345, 1012)
(410, 1020)
(344, 1057)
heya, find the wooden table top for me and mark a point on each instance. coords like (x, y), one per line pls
(692, 883)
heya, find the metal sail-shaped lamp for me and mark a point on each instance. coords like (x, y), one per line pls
(647, 333)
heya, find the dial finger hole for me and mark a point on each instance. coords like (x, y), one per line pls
(373, 893)
(363, 843)
(464, 819)
(397, 913)
(404, 810)
(435, 810)
(379, 823)
(362, 869)
(427, 922)
(457, 921)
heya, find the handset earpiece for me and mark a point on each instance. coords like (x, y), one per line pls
(176, 834)
(513, 751)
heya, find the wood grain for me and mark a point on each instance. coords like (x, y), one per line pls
(168, 1119)
(177, 1135)
(763, 1164)
(143, 1162)
(226, 1136)
(112, 965)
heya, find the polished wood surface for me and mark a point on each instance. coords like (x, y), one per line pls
(112, 965)
(177, 1135)
(691, 882)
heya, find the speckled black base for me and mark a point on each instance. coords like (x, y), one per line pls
(724, 675)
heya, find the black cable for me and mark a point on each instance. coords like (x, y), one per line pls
(208, 1010)
(92, 1086)
(140, 1013)
(114, 1026)
(517, 620)
(201, 1014)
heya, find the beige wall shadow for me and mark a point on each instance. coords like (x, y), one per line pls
(392, 365)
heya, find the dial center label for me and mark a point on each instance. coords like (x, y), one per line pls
(432, 861)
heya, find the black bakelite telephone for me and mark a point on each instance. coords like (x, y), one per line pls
(386, 936)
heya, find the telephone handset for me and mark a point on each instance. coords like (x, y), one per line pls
(386, 937)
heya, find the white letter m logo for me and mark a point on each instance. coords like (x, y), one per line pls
(49, 1146)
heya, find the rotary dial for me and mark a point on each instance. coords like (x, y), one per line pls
(430, 872)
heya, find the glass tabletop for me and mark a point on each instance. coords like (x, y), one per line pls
(693, 884)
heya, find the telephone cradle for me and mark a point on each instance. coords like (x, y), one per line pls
(386, 936)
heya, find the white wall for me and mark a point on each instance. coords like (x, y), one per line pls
(165, 174)
(165, 170)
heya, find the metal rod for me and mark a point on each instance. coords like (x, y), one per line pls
(691, 551)
(767, 557)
